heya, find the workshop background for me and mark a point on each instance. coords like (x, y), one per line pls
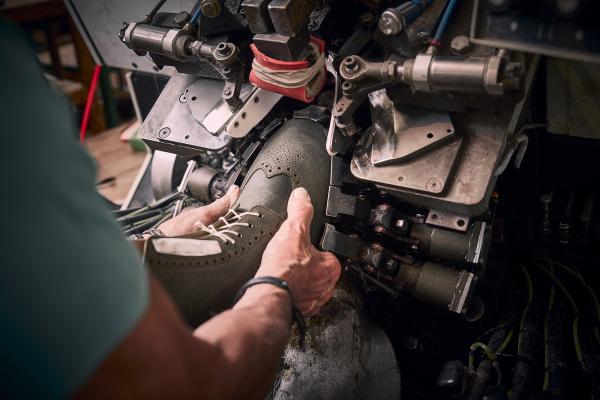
(99, 95)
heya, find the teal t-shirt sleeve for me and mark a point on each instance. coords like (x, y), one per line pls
(71, 287)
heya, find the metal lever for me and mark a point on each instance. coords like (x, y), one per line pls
(191, 165)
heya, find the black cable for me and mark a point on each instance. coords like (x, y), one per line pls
(148, 18)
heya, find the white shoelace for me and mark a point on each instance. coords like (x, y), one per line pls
(291, 78)
(230, 219)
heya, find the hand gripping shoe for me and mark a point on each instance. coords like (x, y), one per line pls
(203, 271)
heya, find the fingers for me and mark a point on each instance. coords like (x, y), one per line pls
(334, 266)
(213, 211)
(322, 285)
(300, 212)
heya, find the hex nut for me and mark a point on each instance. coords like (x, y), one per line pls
(460, 44)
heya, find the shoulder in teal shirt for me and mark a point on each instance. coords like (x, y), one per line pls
(71, 287)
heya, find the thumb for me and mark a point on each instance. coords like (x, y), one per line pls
(219, 207)
(300, 212)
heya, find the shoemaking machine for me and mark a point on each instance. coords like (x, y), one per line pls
(470, 257)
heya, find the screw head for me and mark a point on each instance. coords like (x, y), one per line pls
(227, 92)
(434, 185)
(390, 23)
(164, 133)
(210, 8)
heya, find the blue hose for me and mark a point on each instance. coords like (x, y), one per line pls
(196, 15)
(444, 21)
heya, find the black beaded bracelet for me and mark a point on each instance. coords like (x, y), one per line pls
(280, 283)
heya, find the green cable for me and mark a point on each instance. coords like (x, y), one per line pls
(488, 352)
(138, 211)
(573, 306)
(165, 218)
(529, 284)
(546, 356)
(486, 349)
(560, 286)
(529, 301)
(546, 349)
(504, 344)
(147, 220)
(578, 275)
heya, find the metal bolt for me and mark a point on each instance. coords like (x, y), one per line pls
(390, 22)
(350, 63)
(222, 48)
(423, 37)
(362, 160)
(460, 44)
(434, 185)
(227, 92)
(210, 8)
(164, 133)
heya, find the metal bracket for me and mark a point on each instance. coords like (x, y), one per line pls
(448, 220)
(340, 203)
(405, 132)
(258, 105)
(340, 244)
(336, 142)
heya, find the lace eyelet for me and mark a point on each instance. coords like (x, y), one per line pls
(260, 215)
(240, 235)
(250, 226)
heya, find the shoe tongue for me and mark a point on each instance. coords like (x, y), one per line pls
(272, 193)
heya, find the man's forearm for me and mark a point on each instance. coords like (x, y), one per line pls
(250, 338)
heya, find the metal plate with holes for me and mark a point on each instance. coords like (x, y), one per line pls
(428, 173)
(215, 118)
(448, 220)
(470, 179)
(258, 105)
(181, 125)
(413, 148)
(404, 132)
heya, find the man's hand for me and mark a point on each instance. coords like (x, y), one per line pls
(185, 222)
(220, 361)
(310, 273)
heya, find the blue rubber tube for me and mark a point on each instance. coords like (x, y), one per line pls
(196, 15)
(444, 21)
